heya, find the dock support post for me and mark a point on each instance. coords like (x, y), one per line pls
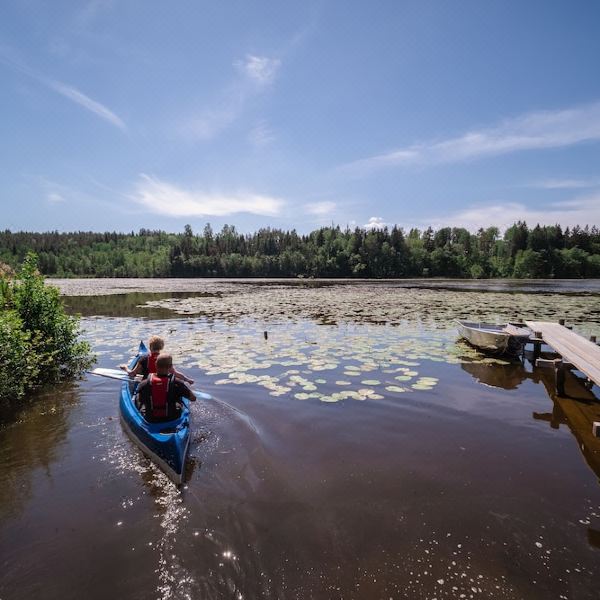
(559, 377)
(537, 345)
(560, 368)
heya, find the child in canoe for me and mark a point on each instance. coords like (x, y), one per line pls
(147, 364)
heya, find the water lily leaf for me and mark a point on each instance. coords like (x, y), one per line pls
(395, 388)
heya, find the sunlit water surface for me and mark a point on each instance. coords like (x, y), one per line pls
(354, 449)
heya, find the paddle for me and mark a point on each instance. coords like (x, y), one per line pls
(122, 376)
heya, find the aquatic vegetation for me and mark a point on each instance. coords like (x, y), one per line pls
(373, 340)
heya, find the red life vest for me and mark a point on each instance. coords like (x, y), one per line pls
(159, 396)
(152, 361)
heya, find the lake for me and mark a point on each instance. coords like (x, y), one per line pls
(354, 448)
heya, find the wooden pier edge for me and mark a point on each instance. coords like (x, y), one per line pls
(575, 351)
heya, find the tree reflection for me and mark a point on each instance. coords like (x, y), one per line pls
(32, 437)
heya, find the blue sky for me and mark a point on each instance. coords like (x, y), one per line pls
(122, 114)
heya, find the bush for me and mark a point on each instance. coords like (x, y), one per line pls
(17, 364)
(38, 341)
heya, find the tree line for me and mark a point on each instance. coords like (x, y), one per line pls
(521, 252)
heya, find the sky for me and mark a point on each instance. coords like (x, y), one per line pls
(117, 115)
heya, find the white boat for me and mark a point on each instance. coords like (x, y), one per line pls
(504, 338)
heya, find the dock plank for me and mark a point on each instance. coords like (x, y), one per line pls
(575, 349)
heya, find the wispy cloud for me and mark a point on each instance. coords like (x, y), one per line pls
(207, 124)
(320, 208)
(76, 195)
(69, 92)
(257, 73)
(55, 198)
(261, 135)
(583, 210)
(259, 69)
(162, 198)
(90, 11)
(86, 102)
(564, 184)
(536, 130)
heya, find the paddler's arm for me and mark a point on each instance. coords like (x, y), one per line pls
(186, 391)
(132, 372)
(180, 375)
(138, 396)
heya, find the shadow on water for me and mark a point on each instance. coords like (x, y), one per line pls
(128, 305)
(32, 436)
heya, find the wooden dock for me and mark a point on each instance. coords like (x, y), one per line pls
(575, 351)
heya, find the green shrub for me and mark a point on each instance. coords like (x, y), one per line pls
(17, 363)
(39, 343)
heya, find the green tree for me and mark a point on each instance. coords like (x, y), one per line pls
(572, 263)
(529, 264)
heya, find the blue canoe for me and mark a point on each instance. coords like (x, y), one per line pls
(166, 443)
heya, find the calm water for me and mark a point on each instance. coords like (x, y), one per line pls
(355, 451)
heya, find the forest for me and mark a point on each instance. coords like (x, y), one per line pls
(520, 252)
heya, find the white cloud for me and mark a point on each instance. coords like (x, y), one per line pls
(209, 123)
(164, 198)
(537, 130)
(579, 211)
(55, 198)
(86, 102)
(63, 89)
(320, 208)
(257, 72)
(376, 223)
(260, 69)
(564, 184)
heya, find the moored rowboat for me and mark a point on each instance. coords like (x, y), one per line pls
(505, 338)
(166, 443)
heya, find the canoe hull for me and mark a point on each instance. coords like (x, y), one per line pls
(166, 443)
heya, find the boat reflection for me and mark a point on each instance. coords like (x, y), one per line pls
(508, 377)
(594, 538)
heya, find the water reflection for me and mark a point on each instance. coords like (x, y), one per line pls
(507, 377)
(594, 538)
(132, 304)
(421, 483)
(31, 438)
(578, 411)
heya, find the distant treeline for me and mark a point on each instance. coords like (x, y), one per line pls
(327, 252)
